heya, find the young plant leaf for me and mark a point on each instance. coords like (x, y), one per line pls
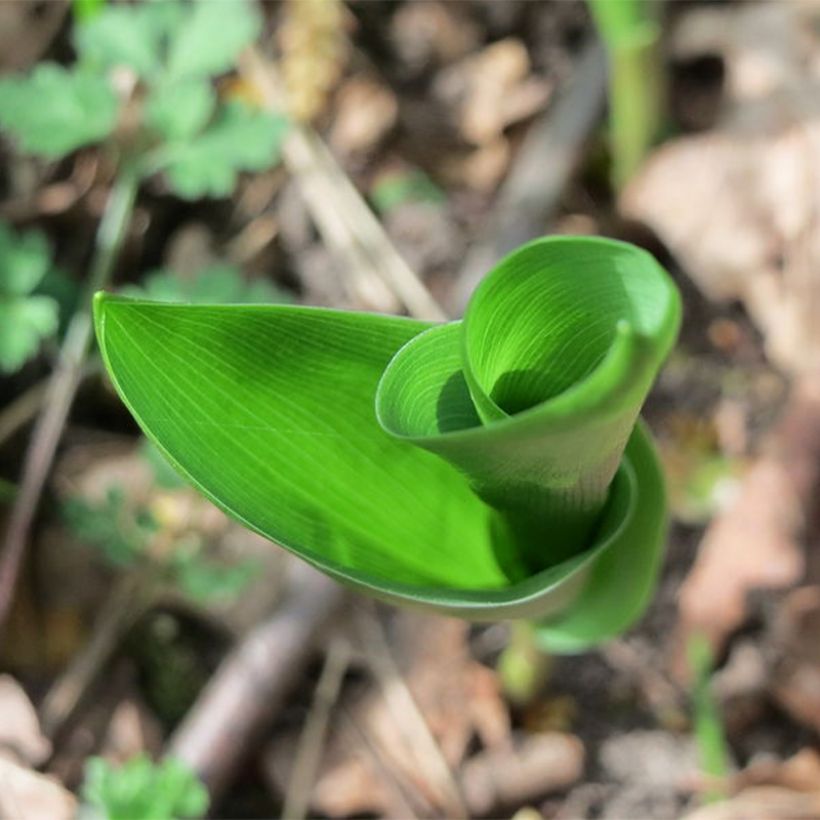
(121, 36)
(53, 111)
(178, 110)
(213, 35)
(240, 139)
(489, 468)
(25, 319)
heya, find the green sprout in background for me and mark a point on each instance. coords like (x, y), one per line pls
(631, 30)
(140, 788)
(490, 468)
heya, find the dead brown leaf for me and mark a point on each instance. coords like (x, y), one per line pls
(739, 207)
(27, 795)
(365, 111)
(21, 739)
(756, 542)
(491, 90)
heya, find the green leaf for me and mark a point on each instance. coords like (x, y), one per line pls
(24, 260)
(212, 37)
(54, 111)
(120, 36)
(489, 468)
(241, 139)
(179, 110)
(24, 323)
(142, 789)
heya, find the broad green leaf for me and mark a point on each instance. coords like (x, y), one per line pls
(180, 109)
(241, 139)
(488, 468)
(54, 111)
(212, 37)
(121, 36)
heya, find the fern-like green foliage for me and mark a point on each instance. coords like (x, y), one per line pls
(175, 49)
(488, 468)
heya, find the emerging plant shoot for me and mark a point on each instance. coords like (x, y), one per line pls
(493, 467)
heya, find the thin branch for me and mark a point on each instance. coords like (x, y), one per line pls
(63, 387)
(241, 699)
(409, 717)
(340, 212)
(308, 753)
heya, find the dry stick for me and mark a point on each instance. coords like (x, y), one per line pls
(26, 406)
(529, 195)
(343, 217)
(241, 699)
(63, 386)
(409, 717)
(129, 601)
(308, 753)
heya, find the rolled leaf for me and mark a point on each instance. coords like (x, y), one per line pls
(488, 468)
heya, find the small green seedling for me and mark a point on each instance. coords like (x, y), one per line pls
(172, 121)
(126, 538)
(26, 317)
(710, 736)
(490, 468)
(141, 788)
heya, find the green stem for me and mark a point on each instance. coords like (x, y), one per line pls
(636, 96)
(631, 30)
(63, 384)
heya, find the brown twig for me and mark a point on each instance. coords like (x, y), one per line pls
(409, 718)
(240, 700)
(63, 387)
(308, 753)
(26, 406)
(130, 599)
(346, 222)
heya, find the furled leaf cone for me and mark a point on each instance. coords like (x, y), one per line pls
(504, 472)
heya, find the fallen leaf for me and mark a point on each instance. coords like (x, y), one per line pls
(20, 737)
(27, 795)
(365, 112)
(491, 90)
(739, 206)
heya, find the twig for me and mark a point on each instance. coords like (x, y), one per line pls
(124, 607)
(410, 720)
(344, 218)
(63, 387)
(26, 406)
(530, 194)
(310, 744)
(243, 696)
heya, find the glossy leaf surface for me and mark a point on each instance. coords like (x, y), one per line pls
(465, 467)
